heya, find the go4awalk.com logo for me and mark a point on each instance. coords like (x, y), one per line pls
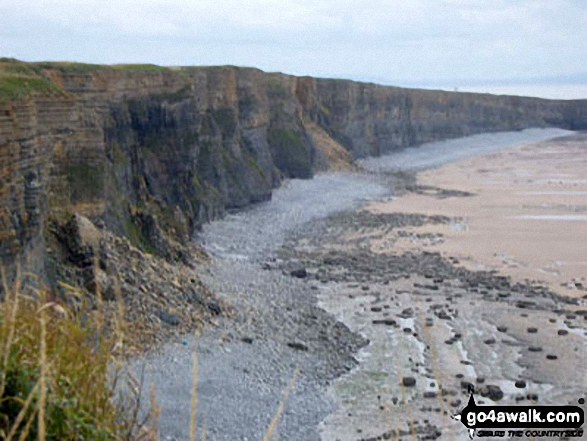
(522, 421)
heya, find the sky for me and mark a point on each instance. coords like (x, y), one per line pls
(487, 45)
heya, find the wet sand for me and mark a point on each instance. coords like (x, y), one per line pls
(526, 217)
(319, 286)
(438, 325)
(476, 275)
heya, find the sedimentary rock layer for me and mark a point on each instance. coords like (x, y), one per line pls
(152, 153)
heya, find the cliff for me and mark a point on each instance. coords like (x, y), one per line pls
(151, 153)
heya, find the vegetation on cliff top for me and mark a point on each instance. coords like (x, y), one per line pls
(139, 67)
(18, 66)
(18, 79)
(14, 87)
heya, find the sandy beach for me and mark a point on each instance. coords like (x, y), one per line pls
(526, 215)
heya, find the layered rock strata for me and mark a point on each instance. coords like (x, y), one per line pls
(151, 153)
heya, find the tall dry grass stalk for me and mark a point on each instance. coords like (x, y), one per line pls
(408, 410)
(155, 412)
(56, 379)
(436, 373)
(194, 398)
(99, 316)
(10, 314)
(203, 437)
(21, 415)
(28, 425)
(437, 376)
(43, 377)
(119, 321)
(275, 420)
(390, 418)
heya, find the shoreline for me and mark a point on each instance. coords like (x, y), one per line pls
(524, 216)
(246, 362)
(531, 315)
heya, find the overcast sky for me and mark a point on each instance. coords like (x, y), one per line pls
(409, 42)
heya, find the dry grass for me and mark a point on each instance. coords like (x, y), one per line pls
(153, 431)
(406, 408)
(446, 423)
(60, 373)
(392, 430)
(194, 399)
(57, 380)
(42, 428)
(275, 420)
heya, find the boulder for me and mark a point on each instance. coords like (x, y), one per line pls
(492, 392)
(408, 381)
(299, 273)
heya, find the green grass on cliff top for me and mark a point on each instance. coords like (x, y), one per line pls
(20, 80)
(13, 87)
(139, 67)
(71, 67)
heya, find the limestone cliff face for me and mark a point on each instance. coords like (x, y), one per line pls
(369, 119)
(152, 153)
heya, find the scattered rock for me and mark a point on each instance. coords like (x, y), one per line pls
(492, 392)
(298, 346)
(444, 316)
(466, 386)
(455, 403)
(407, 313)
(214, 308)
(299, 273)
(388, 322)
(409, 381)
(170, 319)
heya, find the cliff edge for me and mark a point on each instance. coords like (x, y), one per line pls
(150, 153)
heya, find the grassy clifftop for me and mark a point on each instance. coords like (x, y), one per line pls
(19, 80)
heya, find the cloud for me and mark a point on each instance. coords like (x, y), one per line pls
(391, 40)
